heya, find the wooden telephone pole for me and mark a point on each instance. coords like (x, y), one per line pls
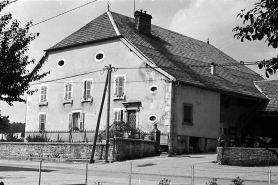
(107, 83)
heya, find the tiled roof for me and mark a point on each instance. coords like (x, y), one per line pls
(269, 89)
(98, 29)
(185, 58)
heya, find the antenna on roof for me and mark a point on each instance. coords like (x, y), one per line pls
(108, 6)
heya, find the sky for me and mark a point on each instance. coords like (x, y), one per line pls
(199, 19)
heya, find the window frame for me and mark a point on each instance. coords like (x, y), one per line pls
(81, 121)
(42, 103)
(116, 96)
(183, 114)
(70, 100)
(45, 121)
(119, 110)
(85, 90)
(59, 61)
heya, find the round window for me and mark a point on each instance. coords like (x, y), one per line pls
(153, 89)
(61, 63)
(99, 56)
(152, 118)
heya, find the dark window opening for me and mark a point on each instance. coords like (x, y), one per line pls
(187, 113)
(152, 118)
(61, 63)
(99, 56)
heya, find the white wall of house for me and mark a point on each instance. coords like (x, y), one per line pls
(80, 60)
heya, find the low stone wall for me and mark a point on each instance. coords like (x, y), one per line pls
(247, 156)
(133, 148)
(119, 149)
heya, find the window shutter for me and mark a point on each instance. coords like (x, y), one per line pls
(89, 89)
(70, 91)
(121, 115)
(121, 86)
(70, 121)
(116, 86)
(82, 116)
(44, 94)
(42, 120)
(84, 90)
(66, 91)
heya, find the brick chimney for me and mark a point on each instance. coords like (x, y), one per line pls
(143, 22)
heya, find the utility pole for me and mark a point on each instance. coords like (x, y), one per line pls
(108, 112)
(98, 120)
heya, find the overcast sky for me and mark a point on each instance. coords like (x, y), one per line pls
(200, 19)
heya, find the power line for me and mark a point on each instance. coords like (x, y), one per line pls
(62, 13)
(41, 82)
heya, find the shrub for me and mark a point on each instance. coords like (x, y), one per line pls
(238, 181)
(164, 182)
(11, 138)
(37, 138)
(213, 182)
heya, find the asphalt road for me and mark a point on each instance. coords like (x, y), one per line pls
(147, 171)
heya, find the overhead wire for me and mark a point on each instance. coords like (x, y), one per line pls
(62, 13)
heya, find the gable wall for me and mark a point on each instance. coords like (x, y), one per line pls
(80, 59)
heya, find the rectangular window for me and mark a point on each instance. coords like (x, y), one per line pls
(119, 86)
(187, 113)
(42, 121)
(87, 89)
(76, 121)
(118, 114)
(43, 95)
(68, 91)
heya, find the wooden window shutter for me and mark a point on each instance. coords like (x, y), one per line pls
(84, 90)
(66, 91)
(70, 91)
(70, 121)
(82, 118)
(42, 121)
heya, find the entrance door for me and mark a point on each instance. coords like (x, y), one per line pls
(131, 117)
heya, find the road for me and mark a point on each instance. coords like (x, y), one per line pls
(147, 171)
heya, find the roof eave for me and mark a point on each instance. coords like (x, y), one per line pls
(84, 43)
(228, 92)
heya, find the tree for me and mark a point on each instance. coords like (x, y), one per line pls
(15, 78)
(261, 22)
(4, 123)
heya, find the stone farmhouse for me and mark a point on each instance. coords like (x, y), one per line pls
(193, 91)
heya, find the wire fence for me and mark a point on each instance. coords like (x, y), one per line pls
(129, 173)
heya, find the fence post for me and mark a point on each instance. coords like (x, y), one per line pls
(269, 177)
(192, 175)
(130, 172)
(40, 172)
(86, 182)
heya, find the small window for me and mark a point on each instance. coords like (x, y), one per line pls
(99, 56)
(61, 63)
(87, 89)
(42, 121)
(187, 114)
(43, 95)
(118, 114)
(153, 118)
(119, 86)
(153, 89)
(68, 90)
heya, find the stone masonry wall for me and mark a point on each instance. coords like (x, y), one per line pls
(119, 149)
(247, 156)
(133, 148)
